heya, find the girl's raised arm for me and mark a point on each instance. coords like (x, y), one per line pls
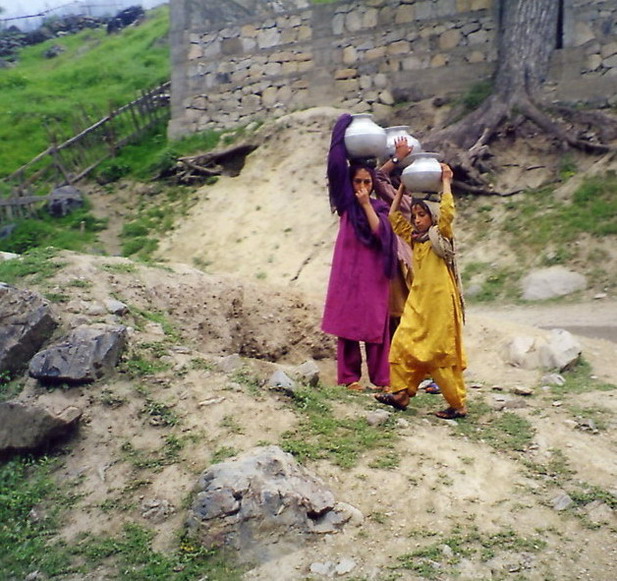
(396, 203)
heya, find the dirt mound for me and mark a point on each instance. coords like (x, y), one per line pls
(479, 505)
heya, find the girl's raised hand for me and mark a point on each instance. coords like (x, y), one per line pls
(446, 173)
(401, 148)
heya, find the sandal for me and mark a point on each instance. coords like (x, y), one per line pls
(390, 399)
(378, 388)
(451, 413)
(432, 388)
(354, 386)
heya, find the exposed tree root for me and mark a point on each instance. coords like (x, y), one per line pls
(466, 145)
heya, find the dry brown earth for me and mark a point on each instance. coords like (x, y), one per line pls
(269, 233)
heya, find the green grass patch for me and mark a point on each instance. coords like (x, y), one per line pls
(131, 556)
(431, 561)
(579, 379)
(592, 210)
(66, 92)
(321, 434)
(155, 459)
(26, 487)
(10, 387)
(222, 454)
(36, 265)
(476, 95)
(159, 414)
(76, 231)
(501, 430)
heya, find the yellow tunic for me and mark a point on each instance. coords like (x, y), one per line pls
(430, 332)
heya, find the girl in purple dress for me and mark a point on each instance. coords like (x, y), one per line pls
(363, 263)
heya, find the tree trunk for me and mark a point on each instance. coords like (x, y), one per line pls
(527, 36)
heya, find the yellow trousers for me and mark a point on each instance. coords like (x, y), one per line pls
(449, 379)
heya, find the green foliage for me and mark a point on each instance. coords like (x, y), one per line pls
(222, 454)
(36, 263)
(76, 231)
(25, 484)
(153, 155)
(476, 95)
(539, 219)
(160, 414)
(321, 434)
(134, 559)
(9, 386)
(431, 562)
(59, 93)
(579, 379)
(31, 544)
(156, 459)
(501, 430)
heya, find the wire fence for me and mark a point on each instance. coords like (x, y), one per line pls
(68, 162)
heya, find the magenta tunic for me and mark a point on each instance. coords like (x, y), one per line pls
(358, 292)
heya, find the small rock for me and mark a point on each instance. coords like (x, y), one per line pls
(377, 417)
(230, 363)
(587, 424)
(345, 566)
(116, 307)
(326, 569)
(280, 380)
(561, 501)
(521, 390)
(553, 379)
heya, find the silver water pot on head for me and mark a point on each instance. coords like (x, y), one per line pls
(423, 174)
(364, 138)
(392, 134)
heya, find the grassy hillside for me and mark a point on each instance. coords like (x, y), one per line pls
(95, 71)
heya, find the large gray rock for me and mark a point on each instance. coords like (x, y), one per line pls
(26, 428)
(86, 355)
(27, 321)
(558, 350)
(64, 200)
(263, 504)
(548, 283)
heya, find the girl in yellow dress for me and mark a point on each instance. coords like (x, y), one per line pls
(429, 338)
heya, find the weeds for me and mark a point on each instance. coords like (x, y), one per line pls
(579, 379)
(437, 558)
(320, 434)
(134, 559)
(500, 430)
(36, 264)
(25, 487)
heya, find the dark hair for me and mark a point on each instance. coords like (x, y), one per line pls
(422, 204)
(356, 166)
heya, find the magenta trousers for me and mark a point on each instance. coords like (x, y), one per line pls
(349, 360)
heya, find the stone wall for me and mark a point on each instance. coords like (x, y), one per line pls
(242, 60)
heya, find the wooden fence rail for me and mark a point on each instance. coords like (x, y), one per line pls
(68, 162)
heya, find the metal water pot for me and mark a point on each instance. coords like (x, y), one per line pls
(423, 174)
(364, 138)
(392, 134)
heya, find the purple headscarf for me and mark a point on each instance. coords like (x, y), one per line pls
(343, 199)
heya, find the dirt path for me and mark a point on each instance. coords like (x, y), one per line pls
(596, 319)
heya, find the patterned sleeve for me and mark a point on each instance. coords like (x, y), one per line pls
(401, 226)
(446, 215)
